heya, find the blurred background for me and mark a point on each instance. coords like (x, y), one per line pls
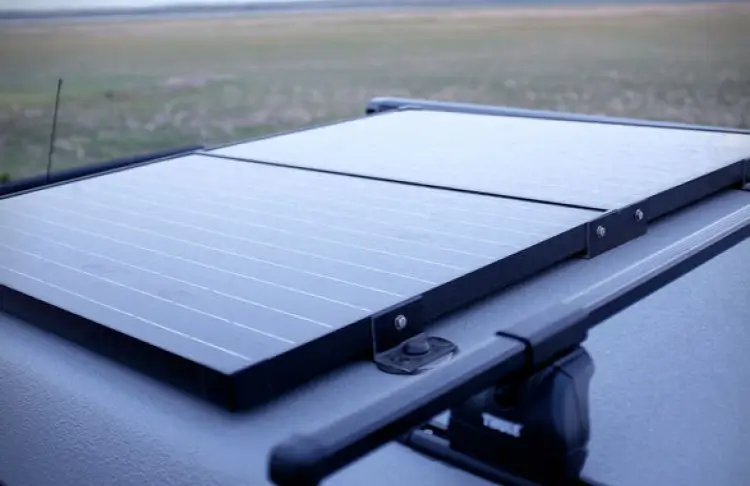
(156, 76)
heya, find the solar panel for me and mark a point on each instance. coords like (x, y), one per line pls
(257, 274)
(548, 160)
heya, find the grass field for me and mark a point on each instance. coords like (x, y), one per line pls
(136, 86)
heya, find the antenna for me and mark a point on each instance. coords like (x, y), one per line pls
(53, 134)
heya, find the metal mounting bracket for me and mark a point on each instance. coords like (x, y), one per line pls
(615, 228)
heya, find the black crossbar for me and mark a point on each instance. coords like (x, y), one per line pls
(307, 459)
(385, 104)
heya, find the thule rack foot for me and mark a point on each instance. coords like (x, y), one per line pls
(526, 433)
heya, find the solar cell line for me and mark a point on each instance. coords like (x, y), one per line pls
(110, 225)
(218, 201)
(240, 275)
(276, 264)
(304, 222)
(169, 277)
(159, 298)
(247, 257)
(126, 313)
(286, 232)
(140, 215)
(291, 250)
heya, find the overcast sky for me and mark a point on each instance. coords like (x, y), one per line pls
(61, 4)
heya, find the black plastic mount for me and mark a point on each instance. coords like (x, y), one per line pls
(534, 431)
(520, 351)
(399, 343)
(537, 429)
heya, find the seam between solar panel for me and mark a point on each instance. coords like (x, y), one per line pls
(169, 277)
(325, 212)
(260, 243)
(163, 299)
(133, 316)
(249, 277)
(449, 206)
(455, 189)
(488, 175)
(445, 196)
(291, 233)
(423, 168)
(307, 222)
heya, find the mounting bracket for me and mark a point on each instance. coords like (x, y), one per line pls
(399, 343)
(614, 228)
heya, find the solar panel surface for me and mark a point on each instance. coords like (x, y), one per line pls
(537, 159)
(229, 263)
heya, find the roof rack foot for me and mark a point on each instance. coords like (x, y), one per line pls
(526, 433)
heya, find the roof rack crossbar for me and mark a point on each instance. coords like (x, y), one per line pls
(384, 104)
(306, 459)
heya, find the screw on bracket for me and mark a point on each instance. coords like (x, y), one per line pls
(601, 232)
(400, 321)
(639, 215)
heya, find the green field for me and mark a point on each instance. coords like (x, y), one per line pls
(137, 86)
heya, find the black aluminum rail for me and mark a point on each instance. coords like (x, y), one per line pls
(385, 104)
(44, 180)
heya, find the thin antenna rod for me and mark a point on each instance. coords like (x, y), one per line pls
(53, 134)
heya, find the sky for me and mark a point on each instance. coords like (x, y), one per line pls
(63, 4)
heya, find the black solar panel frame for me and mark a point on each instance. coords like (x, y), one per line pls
(266, 380)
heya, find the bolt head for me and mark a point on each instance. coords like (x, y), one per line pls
(400, 321)
(639, 215)
(601, 232)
